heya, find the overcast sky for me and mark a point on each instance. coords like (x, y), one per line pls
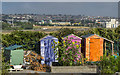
(60, 0)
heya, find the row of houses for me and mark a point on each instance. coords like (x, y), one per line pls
(92, 46)
(112, 23)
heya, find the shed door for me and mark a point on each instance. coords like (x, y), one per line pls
(49, 52)
(17, 57)
(94, 49)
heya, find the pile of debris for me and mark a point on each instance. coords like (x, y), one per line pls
(35, 62)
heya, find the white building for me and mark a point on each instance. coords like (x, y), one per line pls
(112, 24)
(42, 22)
(50, 21)
(61, 23)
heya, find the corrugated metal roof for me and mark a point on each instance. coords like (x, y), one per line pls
(73, 35)
(13, 47)
(86, 36)
(48, 37)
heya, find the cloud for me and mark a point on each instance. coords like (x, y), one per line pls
(60, 0)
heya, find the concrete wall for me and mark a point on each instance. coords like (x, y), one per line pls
(74, 69)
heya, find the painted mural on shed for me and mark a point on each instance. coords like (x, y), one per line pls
(74, 38)
(47, 46)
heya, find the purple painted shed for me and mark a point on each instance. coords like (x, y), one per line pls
(74, 38)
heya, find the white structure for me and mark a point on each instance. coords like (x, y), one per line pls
(112, 24)
(50, 21)
(42, 22)
(61, 23)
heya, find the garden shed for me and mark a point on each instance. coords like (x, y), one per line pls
(73, 38)
(14, 54)
(47, 47)
(94, 46)
(77, 40)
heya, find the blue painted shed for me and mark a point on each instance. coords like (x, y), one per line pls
(47, 46)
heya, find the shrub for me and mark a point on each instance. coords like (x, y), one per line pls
(109, 64)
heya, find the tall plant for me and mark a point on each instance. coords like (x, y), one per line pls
(109, 64)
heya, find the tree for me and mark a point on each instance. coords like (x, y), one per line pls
(5, 65)
(27, 26)
(27, 39)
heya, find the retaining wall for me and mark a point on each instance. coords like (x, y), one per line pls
(74, 69)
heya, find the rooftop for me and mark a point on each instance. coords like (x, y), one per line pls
(13, 47)
(86, 36)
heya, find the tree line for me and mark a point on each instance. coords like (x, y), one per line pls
(30, 39)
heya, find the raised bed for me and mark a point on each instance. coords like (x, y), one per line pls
(74, 69)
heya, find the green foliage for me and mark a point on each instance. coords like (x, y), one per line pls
(65, 31)
(68, 53)
(111, 34)
(20, 37)
(29, 40)
(117, 29)
(5, 66)
(109, 64)
(27, 26)
(6, 26)
(17, 26)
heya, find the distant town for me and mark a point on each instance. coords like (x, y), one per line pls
(33, 43)
(59, 20)
(60, 37)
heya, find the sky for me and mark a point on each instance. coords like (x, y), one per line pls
(60, 0)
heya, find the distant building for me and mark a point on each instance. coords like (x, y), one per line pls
(61, 23)
(112, 24)
(42, 22)
(50, 21)
(96, 21)
(76, 23)
(9, 21)
(23, 20)
(101, 22)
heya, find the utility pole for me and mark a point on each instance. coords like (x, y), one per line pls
(12, 22)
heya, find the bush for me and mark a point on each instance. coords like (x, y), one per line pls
(109, 64)
(29, 40)
(5, 66)
(27, 26)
